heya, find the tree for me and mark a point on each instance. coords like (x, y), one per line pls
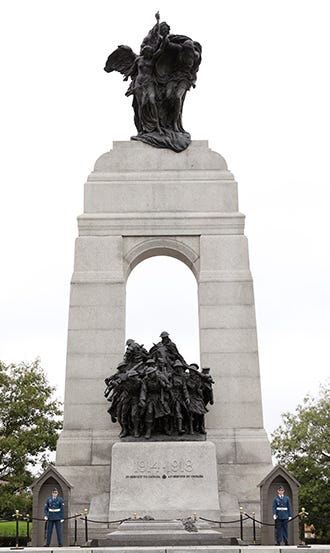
(30, 419)
(302, 445)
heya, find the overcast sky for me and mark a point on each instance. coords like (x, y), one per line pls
(262, 101)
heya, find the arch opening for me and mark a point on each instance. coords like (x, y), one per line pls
(160, 247)
(161, 294)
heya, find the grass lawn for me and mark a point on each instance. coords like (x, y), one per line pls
(9, 528)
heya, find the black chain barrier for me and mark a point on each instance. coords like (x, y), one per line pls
(223, 521)
(267, 523)
(105, 521)
(246, 516)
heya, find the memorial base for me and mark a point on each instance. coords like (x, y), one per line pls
(156, 533)
(163, 480)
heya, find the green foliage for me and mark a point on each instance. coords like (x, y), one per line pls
(30, 419)
(302, 445)
(9, 528)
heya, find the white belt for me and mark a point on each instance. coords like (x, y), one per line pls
(281, 508)
(54, 510)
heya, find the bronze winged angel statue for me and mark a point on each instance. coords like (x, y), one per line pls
(161, 75)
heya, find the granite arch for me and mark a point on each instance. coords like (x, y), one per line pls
(147, 247)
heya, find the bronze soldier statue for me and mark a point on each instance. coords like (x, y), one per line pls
(130, 410)
(152, 398)
(152, 393)
(180, 397)
(135, 355)
(116, 393)
(166, 352)
(207, 386)
(197, 407)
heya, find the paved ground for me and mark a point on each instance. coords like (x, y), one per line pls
(186, 549)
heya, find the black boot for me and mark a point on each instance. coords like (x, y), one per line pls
(148, 431)
(136, 433)
(202, 425)
(180, 429)
(166, 427)
(124, 432)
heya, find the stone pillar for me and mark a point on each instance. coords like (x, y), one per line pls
(96, 337)
(228, 340)
(228, 332)
(96, 329)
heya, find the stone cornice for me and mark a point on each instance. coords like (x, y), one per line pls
(165, 223)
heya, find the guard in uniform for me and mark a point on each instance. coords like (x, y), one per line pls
(282, 513)
(54, 514)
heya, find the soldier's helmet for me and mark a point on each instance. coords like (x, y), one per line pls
(150, 370)
(150, 362)
(130, 342)
(177, 364)
(194, 367)
(164, 334)
(121, 367)
(132, 372)
(206, 370)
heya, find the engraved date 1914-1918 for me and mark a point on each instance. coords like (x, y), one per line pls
(172, 466)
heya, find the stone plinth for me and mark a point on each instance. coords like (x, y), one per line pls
(164, 480)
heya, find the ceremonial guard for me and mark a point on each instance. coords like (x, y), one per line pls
(282, 513)
(54, 515)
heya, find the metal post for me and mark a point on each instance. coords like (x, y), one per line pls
(17, 516)
(254, 527)
(76, 529)
(17, 526)
(86, 525)
(241, 521)
(195, 516)
(27, 518)
(302, 525)
(302, 516)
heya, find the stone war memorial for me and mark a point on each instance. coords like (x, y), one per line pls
(146, 432)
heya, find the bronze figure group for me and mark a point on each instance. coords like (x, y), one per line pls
(156, 391)
(161, 75)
